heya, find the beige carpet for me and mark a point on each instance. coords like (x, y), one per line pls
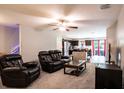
(59, 80)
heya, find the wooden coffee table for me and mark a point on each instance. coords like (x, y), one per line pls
(75, 67)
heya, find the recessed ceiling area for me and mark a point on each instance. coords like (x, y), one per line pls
(89, 18)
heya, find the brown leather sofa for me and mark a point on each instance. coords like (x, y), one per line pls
(15, 73)
(52, 60)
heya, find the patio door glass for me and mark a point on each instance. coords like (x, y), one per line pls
(95, 47)
(98, 47)
(101, 48)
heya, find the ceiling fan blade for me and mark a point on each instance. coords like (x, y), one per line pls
(55, 28)
(52, 24)
(75, 27)
(67, 30)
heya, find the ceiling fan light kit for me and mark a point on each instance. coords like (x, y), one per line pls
(62, 28)
(62, 25)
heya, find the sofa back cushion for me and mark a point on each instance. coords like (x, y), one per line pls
(55, 54)
(44, 56)
(11, 60)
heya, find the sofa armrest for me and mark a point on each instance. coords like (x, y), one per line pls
(30, 64)
(10, 69)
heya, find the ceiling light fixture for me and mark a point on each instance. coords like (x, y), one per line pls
(62, 28)
(62, 25)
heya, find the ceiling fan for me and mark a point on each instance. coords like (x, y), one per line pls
(62, 25)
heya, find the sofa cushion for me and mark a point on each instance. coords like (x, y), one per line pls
(58, 56)
(54, 57)
(55, 54)
(30, 64)
(46, 58)
(12, 63)
(57, 63)
(10, 57)
(11, 60)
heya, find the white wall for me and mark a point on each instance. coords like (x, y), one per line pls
(33, 41)
(111, 39)
(120, 37)
(86, 33)
(2, 48)
(120, 34)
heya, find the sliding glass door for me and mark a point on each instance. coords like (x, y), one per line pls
(95, 47)
(98, 47)
(101, 48)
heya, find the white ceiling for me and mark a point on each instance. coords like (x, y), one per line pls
(85, 16)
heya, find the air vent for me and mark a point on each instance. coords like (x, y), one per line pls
(105, 6)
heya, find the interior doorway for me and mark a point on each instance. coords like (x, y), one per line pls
(68, 46)
(9, 38)
(96, 49)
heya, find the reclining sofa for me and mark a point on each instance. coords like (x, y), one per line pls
(52, 60)
(15, 73)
